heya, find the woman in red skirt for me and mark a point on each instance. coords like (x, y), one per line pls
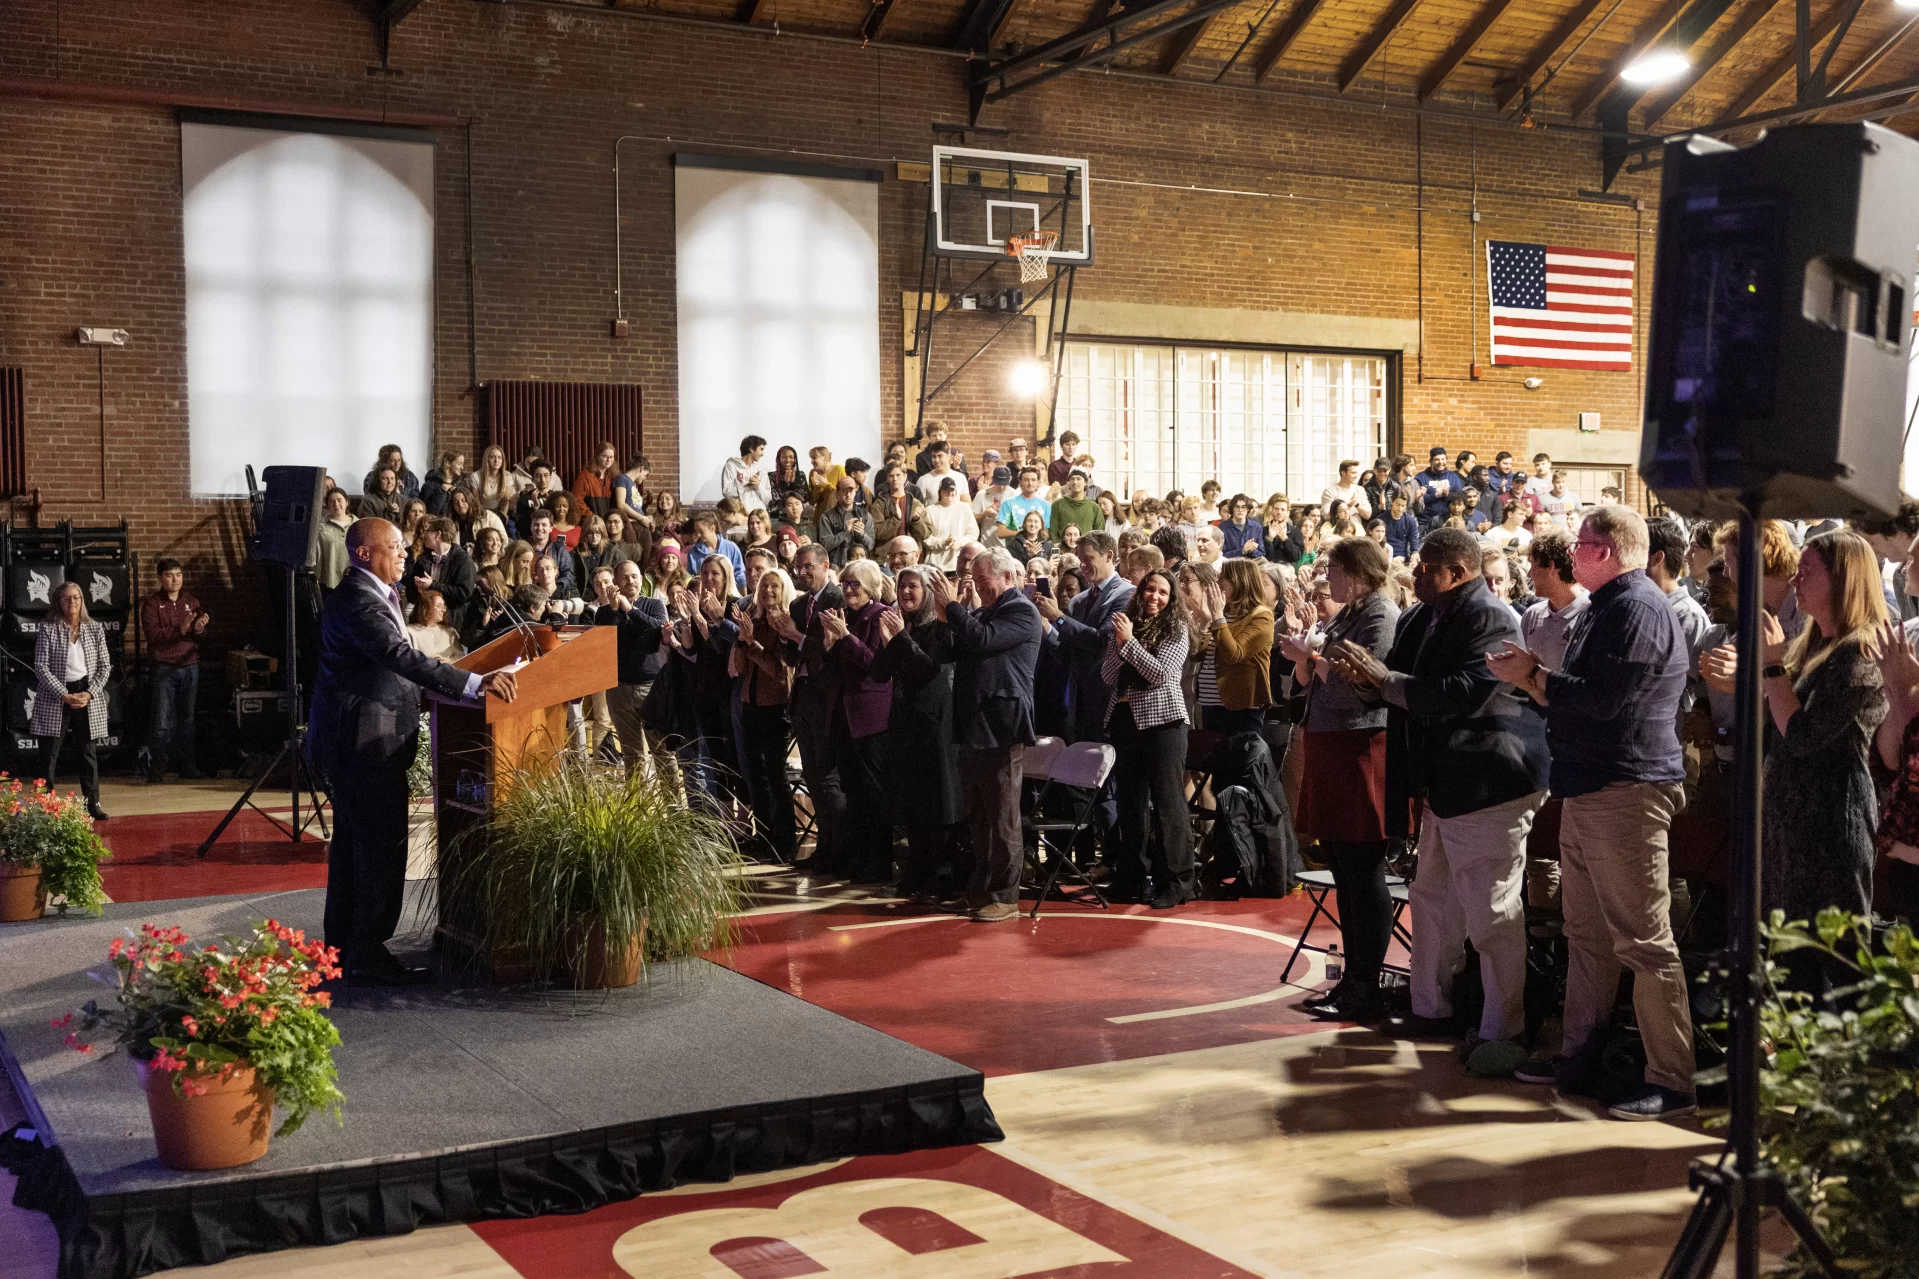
(1342, 801)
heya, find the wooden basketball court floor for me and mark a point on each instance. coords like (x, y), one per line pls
(1167, 1112)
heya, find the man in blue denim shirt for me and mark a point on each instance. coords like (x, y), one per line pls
(1617, 764)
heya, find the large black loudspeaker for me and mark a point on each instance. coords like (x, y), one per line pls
(288, 530)
(1781, 300)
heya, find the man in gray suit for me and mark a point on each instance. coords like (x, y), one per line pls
(996, 641)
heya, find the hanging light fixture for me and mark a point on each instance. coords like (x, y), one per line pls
(1657, 66)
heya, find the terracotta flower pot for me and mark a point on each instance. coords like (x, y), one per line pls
(602, 967)
(224, 1127)
(21, 895)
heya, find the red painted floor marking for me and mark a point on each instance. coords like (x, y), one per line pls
(1014, 997)
(583, 1247)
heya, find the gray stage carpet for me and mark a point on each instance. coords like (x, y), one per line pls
(693, 1073)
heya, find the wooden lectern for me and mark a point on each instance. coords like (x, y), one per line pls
(475, 747)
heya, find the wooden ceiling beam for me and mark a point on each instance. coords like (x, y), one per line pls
(1475, 31)
(1543, 52)
(1781, 67)
(1302, 13)
(1180, 47)
(981, 24)
(875, 20)
(1644, 37)
(1375, 40)
(1755, 13)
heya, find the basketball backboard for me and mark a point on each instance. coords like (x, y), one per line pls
(981, 197)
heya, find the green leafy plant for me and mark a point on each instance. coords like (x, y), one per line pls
(576, 840)
(1839, 1093)
(39, 827)
(200, 1012)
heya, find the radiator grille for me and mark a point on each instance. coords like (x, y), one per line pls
(565, 420)
(13, 432)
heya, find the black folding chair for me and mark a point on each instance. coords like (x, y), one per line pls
(1319, 888)
(805, 822)
(1074, 774)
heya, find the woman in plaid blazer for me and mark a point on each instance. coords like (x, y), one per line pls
(70, 698)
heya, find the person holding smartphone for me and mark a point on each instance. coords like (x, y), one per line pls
(174, 622)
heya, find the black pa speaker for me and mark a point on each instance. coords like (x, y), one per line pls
(288, 529)
(1781, 298)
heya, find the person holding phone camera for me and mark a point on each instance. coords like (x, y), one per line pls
(174, 622)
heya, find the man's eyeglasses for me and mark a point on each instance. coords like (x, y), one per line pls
(1593, 542)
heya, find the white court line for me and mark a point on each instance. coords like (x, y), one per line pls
(895, 923)
(1313, 975)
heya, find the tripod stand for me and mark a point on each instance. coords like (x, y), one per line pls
(300, 779)
(1733, 1189)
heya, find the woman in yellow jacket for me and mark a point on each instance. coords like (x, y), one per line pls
(1234, 681)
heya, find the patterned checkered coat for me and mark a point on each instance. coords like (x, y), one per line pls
(50, 664)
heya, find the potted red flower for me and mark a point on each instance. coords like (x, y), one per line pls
(47, 851)
(220, 1033)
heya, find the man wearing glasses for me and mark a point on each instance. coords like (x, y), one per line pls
(1611, 712)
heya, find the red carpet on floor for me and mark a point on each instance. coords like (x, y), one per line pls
(154, 857)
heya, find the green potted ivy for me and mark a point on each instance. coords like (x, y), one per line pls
(585, 871)
(220, 1034)
(48, 852)
(1839, 1091)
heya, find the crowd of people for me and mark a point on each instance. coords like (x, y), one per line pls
(1460, 662)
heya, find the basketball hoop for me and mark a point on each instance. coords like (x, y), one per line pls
(1034, 249)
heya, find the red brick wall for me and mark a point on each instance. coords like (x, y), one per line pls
(90, 230)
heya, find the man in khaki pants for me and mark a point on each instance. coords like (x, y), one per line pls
(1617, 765)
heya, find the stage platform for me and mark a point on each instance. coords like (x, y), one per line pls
(462, 1103)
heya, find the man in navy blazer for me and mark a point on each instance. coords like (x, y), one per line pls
(816, 687)
(996, 648)
(1465, 743)
(361, 738)
(1085, 628)
(1083, 632)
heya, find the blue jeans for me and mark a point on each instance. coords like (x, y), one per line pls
(176, 689)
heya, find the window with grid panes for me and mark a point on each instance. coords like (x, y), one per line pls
(1259, 421)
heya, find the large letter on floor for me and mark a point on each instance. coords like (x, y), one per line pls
(825, 1224)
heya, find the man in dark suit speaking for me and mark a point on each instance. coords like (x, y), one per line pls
(361, 737)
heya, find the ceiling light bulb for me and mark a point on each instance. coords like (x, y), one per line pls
(1028, 378)
(1657, 67)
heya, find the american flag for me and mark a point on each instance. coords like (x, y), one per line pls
(1560, 308)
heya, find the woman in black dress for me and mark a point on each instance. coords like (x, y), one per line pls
(918, 766)
(1821, 809)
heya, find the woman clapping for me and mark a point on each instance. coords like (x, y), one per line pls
(1146, 722)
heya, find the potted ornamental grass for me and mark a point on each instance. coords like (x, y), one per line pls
(48, 852)
(220, 1034)
(585, 872)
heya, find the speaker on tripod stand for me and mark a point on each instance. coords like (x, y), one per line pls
(286, 539)
(1776, 387)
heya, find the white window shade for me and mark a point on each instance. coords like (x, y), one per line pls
(778, 282)
(309, 273)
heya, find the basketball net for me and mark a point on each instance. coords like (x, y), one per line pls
(1034, 249)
